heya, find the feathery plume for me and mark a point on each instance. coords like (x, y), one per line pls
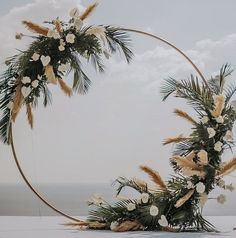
(154, 175)
(17, 103)
(58, 25)
(184, 115)
(140, 182)
(219, 103)
(184, 199)
(182, 162)
(128, 226)
(191, 172)
(88, 11)
(64, 87)
(35, 28)
(30, 114)
(176, 139)
(49, 72)
(227, 168)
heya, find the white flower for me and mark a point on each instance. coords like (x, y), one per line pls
(203, 157)
(10, 105)
(19, 36)
(221, 199)
(163, 221)
(221, 183)
(26, 80)
(62, 42)
(154, 211)
(131, 206)
(114, 225)
(204, 119)
(218, 146)
(53, 34)
(78, 23)
(200, 187)
(25, 91)
(229, 136)
(211, 132)
(70, 38)
(35, 83)
(45, 60)
(61, 47)
(230, 187)
(74, 13)
(35, 57)
(190, 185)
(220, 119)
(39, 77)
(63, 67)
(144, 197)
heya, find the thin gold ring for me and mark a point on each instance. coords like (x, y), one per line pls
(28, 183)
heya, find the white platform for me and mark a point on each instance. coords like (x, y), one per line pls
(51, 227)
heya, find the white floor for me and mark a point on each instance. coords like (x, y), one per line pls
(51, 227)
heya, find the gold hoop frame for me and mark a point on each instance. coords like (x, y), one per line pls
(26, 180)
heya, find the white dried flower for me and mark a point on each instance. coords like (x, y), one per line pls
(221, 199)
(35, 57)
(74, 13)
(19, 36)
(70, 38)
(131, 206)
(204, 119)
(45, 60)
(144, 197)
(26, 91)
(62, 42)
(35, 83)
(211, 132)
(200, 187)
(190, 185)
(61, 47)
(229, 137)
(163, 221)
(39, 77)
(53, 34)
(221, 183)
(218, 146)
(26, 80)
(220, 119)
(114, 225)
(154, 211)
(230, 187)
(203, 157)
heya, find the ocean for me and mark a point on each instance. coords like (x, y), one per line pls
(18, 200)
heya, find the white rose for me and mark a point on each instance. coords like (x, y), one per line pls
(74, 13)
(131, 206)
(35, 57)
(26, 80)
(203, 156)
(154, 211)
(229, 136)
(114, 225)
(35, 83)
(211, 132)
(218, 146)
(144, 197)
(204, 119)
(70, 38)
(53, 34)
(200, 187)
(221, 199)
(220, 119)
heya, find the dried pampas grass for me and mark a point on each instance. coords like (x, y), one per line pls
(182, 162)
(174, 140)
(184, 199)
(88, 11)
(155, 176)
(35, 28)
(219, 101)
(184, 115)
(17, 102)
(49, 72)
(58, 25)
(29, 113)
(227, 168)
(64, 87)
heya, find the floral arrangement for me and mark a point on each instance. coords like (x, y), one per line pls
(56, 51)
(176, 204)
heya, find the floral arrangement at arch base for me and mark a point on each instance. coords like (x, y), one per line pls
(60, 48)
(176, 205)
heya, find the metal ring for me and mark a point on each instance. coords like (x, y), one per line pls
(11, 132)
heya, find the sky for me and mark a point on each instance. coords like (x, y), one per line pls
(122, 121)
